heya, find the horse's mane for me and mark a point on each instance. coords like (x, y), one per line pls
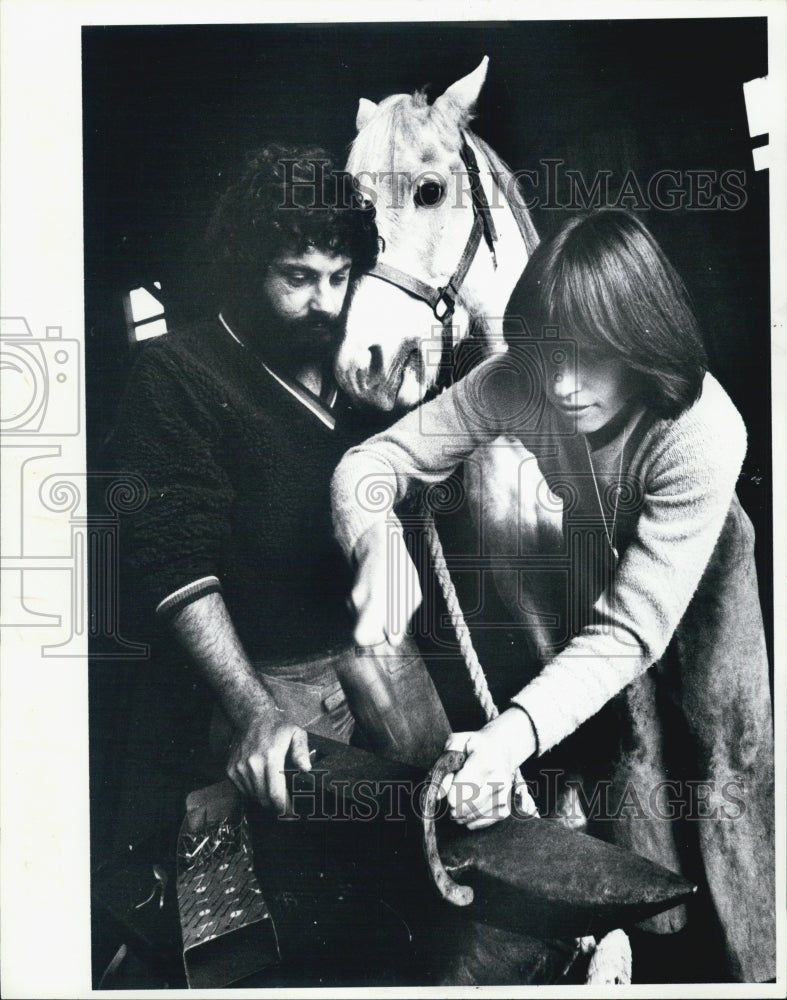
(508, 183)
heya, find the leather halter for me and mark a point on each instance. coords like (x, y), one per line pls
(443, 299)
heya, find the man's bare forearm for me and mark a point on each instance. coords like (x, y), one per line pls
(205, 630)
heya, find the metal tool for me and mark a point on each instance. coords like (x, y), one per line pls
(225, 924)
(160, 885)
(448, 763)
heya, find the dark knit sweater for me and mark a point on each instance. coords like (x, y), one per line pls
(238, 473)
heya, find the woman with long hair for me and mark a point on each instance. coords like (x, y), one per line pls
(652, 685)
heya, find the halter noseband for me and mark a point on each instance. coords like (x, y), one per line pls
(442, 300)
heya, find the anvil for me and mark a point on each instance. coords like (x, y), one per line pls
(355, 875)
(528, 873)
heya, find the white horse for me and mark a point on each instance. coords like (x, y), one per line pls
(456, 237)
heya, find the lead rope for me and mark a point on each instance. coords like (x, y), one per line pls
(469, 655)
(610, 958)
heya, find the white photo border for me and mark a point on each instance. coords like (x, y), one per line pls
(43, 711)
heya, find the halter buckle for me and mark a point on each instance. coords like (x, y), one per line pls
(446, 300)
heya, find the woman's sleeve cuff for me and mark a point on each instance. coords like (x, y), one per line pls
(515, 704)
(187, 595)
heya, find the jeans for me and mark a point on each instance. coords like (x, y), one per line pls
(380, 698)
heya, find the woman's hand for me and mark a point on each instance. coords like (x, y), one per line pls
(386, 593)
(480, 793)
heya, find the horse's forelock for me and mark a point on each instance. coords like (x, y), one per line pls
(399, 125)
(374, 139)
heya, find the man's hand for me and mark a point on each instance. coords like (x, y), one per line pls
(265, 740)
(387, 593)
(258, 759)
(479, 794)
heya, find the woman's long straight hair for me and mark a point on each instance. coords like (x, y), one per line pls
(603, 281)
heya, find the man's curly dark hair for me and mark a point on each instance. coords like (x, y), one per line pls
(287, 200)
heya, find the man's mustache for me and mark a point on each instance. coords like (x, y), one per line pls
(322, 323)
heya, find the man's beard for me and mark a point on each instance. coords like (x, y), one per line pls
(320, 331)
(314, 339)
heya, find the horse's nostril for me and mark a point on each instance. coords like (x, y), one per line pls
(375, 360)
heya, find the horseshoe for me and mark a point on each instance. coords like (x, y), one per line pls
(448, 763)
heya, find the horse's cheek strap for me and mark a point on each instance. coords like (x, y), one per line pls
(406, 282)
(448, 763)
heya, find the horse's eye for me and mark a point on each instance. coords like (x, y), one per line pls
(429, 194)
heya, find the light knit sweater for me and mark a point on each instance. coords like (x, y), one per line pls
(686, 470)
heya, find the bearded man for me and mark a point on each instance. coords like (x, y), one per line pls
(236, 426)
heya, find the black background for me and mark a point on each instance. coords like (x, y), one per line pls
(170, 111)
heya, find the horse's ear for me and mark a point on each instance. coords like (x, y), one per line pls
(365, 111)
(460, 98)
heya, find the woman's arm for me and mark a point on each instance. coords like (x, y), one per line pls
(687, 489)
(688, 485)
(425, 446)
(428, 443)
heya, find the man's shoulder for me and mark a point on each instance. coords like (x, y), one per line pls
(197, 351)
(183, 343)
